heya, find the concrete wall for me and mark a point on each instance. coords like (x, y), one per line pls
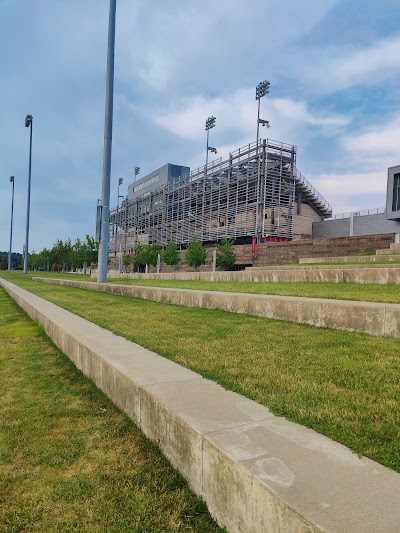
(380, 320)
(362, 225)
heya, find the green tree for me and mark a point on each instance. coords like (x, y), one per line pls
(126, 260)
(196, 253)
(151, 252)
(170, 254)
(91, 250)
(226, 257)
(139, 259)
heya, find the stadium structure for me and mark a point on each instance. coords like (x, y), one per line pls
(257, 192)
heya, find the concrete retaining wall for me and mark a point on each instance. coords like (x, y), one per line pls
(350, 259)
(256, 472)
(381, 320)
(375, 274)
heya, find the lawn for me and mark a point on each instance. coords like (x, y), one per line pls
(335, 291)
(69, 459)
(344, 385)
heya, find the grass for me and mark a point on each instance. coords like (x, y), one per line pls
(69, 460)
(334, 291)
(344, 385)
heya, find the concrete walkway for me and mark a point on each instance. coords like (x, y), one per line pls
(377, 319)
(256, 472)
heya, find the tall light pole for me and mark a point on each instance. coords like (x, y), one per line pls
(120, 182)
(136, 171)
(11, 227)
(261, 90)
(105, 194)
(210, 123)
(28, 123)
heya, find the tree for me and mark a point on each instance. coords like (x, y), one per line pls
(126, 260)
(170, 254)
(139, 259)
(226, 257)
(196, 253)
(151, 252)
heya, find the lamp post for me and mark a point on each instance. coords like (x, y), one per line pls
(11, 228)
(210, 123)
(120, 182)
(261, 90)
(28, 123)
(105, 191)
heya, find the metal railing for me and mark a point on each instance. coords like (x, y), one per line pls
(313, 190)
(363, 213)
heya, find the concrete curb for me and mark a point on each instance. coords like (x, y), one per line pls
(376, 319)
(256, 472)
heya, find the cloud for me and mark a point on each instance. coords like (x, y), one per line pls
(378, 146)
(237, 115)
(335, 68)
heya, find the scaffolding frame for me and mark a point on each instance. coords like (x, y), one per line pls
(250, 194)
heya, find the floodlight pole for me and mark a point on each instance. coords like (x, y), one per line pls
(208, 133)
(11, 227)
(261, 90)
(258, 121)
(105, 195)
(28, 124)
(210, 123)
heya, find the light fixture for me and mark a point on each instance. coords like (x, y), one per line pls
(261, 90)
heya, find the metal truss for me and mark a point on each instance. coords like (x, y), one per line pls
(250, 194)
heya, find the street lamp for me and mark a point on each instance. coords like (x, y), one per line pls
(210, 123)
(105, 189)
(261, 90)
(120, 182)
(28, 123)
(12, 211)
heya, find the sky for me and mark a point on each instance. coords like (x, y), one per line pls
(333, 66)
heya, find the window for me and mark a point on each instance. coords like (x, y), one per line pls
(396, 193)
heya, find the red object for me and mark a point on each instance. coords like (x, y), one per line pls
(272, 238)
(253, 246)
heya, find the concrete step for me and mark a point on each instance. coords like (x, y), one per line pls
(350, 259)
(376, 319)
(394, 249)
(257, 472)
(319, 267)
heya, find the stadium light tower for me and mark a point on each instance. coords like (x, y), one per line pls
(136, 171)
(210, 123)
(28, 123)
(120, 182)
(105, 191)
(261, 90)
(11, 227)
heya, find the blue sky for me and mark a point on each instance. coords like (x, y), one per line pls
(334, 68)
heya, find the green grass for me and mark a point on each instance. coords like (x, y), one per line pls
(344, 385)
(69, 460)
(334, 291)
